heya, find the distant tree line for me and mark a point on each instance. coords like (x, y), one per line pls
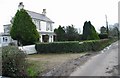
(114, 31)
(69, 33)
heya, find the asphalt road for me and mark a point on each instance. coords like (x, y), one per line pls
(101, 64)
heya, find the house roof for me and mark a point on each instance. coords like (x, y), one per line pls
(39, 16)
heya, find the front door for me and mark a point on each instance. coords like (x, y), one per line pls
(45, 38)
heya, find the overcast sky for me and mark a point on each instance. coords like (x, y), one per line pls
(65, 12)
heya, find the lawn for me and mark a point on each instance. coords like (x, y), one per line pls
(45, 62)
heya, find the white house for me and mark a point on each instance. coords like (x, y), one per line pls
(43, 24)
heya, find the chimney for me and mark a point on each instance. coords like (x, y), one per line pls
(20, 6)
(44, 12)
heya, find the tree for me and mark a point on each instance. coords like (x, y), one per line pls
(114, 31)
(23, 29)
(71, 33)
(103, 30)
(60, 33)
(89, 32)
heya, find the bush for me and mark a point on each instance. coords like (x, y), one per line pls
(95, 45)
(12, 44)
(74, 46)
(103, 36)
(13, 62)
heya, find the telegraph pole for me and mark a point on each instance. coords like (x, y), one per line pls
(107, 25)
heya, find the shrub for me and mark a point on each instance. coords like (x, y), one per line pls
(12, 44)
(103, 36)
(13, 62)
(74, 46)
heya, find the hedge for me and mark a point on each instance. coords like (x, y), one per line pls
(71, 46)
(59, 47)
(103, 36)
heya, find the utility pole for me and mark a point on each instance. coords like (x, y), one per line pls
(107, 25)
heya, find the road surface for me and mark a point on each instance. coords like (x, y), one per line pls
(101, 64)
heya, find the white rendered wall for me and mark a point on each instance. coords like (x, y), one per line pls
(50, 38)
(43, 26)
(30, 49)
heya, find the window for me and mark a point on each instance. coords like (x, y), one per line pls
(43, 25)
(5, 39)
(0, 41)
(47, 27)
(50, 27)
(39, 26)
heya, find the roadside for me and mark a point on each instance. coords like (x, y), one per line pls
(103, 64)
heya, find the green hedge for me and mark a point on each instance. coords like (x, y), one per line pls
(57, 47)
(72, 46)
(103, 36)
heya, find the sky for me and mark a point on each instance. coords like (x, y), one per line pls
(65, 12)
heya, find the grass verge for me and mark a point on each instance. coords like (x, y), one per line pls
(45, 62)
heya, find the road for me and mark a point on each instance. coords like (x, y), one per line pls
(101, 64)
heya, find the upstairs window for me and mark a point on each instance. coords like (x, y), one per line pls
(43, 25)
(39, 26)
(47, 27)
(50, 27)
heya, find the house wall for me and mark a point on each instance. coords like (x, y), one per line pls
(7, 28)
(50, 38)
(43, 25)
(0, 39)
(5, 40)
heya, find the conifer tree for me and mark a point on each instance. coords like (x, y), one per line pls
(23, 29)
(89, 32)
(60, 33)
